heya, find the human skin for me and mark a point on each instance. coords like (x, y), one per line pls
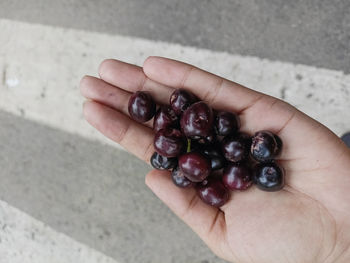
(307, 221)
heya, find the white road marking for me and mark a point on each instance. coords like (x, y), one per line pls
(24, 239)
(42, 65)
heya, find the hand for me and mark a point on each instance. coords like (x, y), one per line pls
(308, 221)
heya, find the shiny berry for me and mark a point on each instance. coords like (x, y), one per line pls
(161, 162)
(265, 146)
(165, 117)
(141, 106)
(196, 122)
(181, 99)
(237, 176)
(226, 123)
(236, 147)
(179, 178)
(169, 142)
(217, 160)
(195, 166)
(213, 192)
(269, 177)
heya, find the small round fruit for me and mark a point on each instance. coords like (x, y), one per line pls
(141, 106)
(161, 162)
(196, 122)
(195, 166)
(226, 123)
(269, 177)
(237, 177)
(236, 147)
(213, 192)
(217, 160)
(169, 142)
(265, 146)
(165, 117)
(181, 99)
(180, 179)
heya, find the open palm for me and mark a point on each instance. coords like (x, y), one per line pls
(308, 221)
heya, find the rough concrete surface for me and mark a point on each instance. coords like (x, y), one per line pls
(94, 193)
(310, 32)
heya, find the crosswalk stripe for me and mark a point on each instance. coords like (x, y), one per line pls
(42, 65)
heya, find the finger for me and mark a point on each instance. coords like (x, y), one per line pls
(98, 90)
(218, 92)
(102, 92)
(134, 137)
(131, 78)
(207, 221)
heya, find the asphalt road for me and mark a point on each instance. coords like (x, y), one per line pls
(312, 32)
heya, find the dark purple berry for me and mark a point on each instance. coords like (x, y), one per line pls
(195, 166)
(179, 178)
(279, 144)
(237, 176)
(269, 177)
(213, 192)
(210, 139)
(236, 147)
(161, 162)
(226, 123)
(164, 118)
(196, 122)
(141, 106)
(265, 146)
(169, 142)
(217, 160)
(181, 99)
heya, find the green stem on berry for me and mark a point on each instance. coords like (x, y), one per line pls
(188, 145)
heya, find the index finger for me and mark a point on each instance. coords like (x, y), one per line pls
(218, 92)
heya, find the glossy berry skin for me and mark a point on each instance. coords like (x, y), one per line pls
(213, 192)
(162, 163)
(179, 178)
(169, 142)
(196, 122)
(217, 160)
(181, 99)
(141, 106)
(165, 117)
(236, 147)
(195, 166)
(226, 123)
(265, 146)
(237, 176)
(269, 176)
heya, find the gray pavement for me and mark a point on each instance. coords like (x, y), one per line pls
(310, 32)
(91, 192)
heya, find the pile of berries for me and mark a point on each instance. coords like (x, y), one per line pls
(204, 148)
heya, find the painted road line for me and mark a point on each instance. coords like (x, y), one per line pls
(41, 67)
(24, 239)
